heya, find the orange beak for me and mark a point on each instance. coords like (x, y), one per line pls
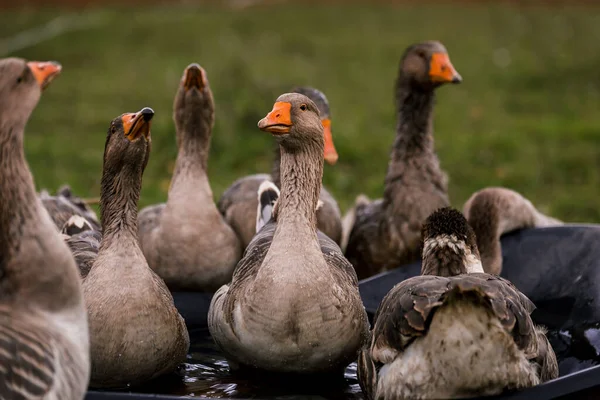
(137, 124)
(194, 77)
(441, 69)
(44, 72)
(331, 155)
(279, 120)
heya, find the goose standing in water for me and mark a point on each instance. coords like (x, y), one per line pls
(44, 341)
(187, 241)
(494, 211)
(454, 331)
(293, 304)
(386, 233)
(238, 203)
(136, 332)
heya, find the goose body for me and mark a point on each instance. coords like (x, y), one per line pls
(454, 331)
(136, 332)
(494, 211)
(238, 203)
(385, 233)
(293, 304)
(44, 341)
(65, 204)
(187, 241)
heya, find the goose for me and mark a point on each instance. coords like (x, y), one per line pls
(83, 241)
(454, 331)
(65, 204)
(136, 333)
(293, 304)
(494, 211)
(44, 340)
(238, 203)
(385, 233)
(187, 241)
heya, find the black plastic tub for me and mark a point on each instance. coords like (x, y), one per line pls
(557, 268)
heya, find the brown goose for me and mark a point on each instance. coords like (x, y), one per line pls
(187, 241)
(136, 333)
(495, 211)
(386, 232)
(293, 304)
(65, 204)
(44, 342)
(238, 203)
(454, 331)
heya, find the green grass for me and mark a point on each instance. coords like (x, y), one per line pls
(526, 116)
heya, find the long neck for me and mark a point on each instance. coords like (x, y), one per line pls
(18, 200)
(414, 129)
(488, 233)
(444, 255)
(301, 177)
(35, 263)
(119, 195)
(193, 142)
(275, 170)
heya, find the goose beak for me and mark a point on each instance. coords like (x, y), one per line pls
(441, 69)
(137, 124)
(44, 72)
(194, 77)
(279, 120)
(331, 155)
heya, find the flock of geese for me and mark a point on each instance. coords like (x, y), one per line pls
(87, 301)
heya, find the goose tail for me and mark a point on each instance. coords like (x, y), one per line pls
(76, 224)
(349, 218)
(268, 194)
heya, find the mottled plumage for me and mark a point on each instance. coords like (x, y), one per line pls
(463, 334)
(238, 203)
(65, 204)
(386, 233)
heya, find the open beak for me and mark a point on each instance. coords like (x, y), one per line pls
(331, 155)
(194, 77)
(441, 69)
(44, 72)
(137, 124)
(279, 120)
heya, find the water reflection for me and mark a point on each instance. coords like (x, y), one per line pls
(206, 372)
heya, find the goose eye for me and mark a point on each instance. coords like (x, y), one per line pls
(303, 107)
(21, 78)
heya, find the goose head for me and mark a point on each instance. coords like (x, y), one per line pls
(193, 106)
(427, 66)
(128, 142)
(320, 100)
(295, 122)
(21, 85)
(449, 245)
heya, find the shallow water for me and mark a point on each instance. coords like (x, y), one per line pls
(206, 372)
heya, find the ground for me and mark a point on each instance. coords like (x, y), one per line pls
(526, 115)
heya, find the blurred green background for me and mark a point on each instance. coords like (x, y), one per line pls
(526, 115)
